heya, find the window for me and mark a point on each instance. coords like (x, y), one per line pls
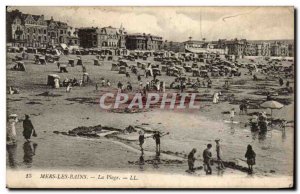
(45, 32)
(61, 31)
(75, 41)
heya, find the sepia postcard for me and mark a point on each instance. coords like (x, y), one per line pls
(150, 97)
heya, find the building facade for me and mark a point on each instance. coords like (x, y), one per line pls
(34, 31)
(173, 46)
(26, 29)
(263, 49)
(88, 37)
(106, 37)
(57, 32)
(109, 37)
(279, 49)
(236, 47)
(143, 42)
(72, 36)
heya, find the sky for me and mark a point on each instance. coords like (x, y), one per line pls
(180, 23)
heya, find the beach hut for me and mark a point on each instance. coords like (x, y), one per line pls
(63, 69)
(51, 78)
(42, 61)
(196, 72)
(114, 67)
(96, 62)
(79, 62)
(122, 70)
(71, 62)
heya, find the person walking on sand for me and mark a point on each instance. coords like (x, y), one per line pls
(191, 160)
(28, 128)
(11, 130)
(218, 150)
(250, 155)
(142, 139)
(207, 156)
(232, 114)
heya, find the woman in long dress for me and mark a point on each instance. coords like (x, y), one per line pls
(11, 131)
(56, 83)
(28, 128)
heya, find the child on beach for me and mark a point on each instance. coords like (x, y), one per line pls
(207, 159)
(250, 155)
(218, 150)
(191, 160)
(141, 139)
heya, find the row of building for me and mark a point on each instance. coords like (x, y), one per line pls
(243, 47)
(236, 47)
(35, 31)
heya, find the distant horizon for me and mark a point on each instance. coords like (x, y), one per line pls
(266, 23)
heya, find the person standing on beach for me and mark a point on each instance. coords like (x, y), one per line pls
(157, 136)
(191, 160)
(11, 130)
(28, 128)
(216, 97)
(280, 81)
(69, 88)
(218, 150)
(207, 156)
(250, 155)
(96, 87)
(232, 114)
(56, 83)
(141, 139)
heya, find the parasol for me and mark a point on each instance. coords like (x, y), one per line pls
(272, 105)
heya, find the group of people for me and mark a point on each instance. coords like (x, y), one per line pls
(28, 129)
(104, 83)
(156, 136)
(259, 122)
(208, 160)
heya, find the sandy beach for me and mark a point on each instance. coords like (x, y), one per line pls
(62, 112)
